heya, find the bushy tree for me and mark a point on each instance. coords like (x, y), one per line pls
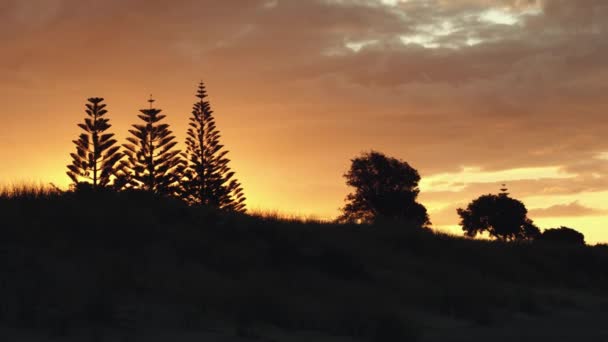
(501, 216)
(563, 235)
(385, 188)
(207, 179)
(152, 163)
(96, 151)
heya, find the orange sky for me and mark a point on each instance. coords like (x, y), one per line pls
(472, 93)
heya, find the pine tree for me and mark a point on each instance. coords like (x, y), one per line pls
(152, 163)
(207, 179)
(96, 154)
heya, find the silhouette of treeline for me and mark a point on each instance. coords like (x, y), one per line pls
(105, 263)
(149, 161)
(386, 188)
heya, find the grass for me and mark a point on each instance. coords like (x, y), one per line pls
(269, 215)
(25, 191)
(69, 260)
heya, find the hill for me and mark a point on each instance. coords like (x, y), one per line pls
(133, 265)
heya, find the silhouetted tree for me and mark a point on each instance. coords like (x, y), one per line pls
(207, 179)
(96, 154)
(152, 163)
(385, 188)
(501, 216)
(563, 235)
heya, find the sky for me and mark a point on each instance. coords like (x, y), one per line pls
(471, 93)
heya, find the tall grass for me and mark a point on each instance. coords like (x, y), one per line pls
(29, 191)
(275, 215)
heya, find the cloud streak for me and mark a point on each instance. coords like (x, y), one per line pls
(573, 209)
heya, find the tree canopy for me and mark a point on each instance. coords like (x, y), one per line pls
(207, 178)
(385, 188)
(501, 216)
(563, 235)
(96, 154)
(152, 163)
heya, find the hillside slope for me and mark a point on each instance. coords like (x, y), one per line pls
(131, 263)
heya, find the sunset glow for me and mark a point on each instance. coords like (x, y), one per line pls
(471, 93)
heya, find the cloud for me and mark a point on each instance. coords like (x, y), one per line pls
(574, 209)
(520, 188)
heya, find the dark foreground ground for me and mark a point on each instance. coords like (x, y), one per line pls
(131, 267)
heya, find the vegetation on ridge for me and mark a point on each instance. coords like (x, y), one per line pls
(143, 256)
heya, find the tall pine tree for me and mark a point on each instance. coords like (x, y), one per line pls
(152, 163)
(207, 179)
(96, 154)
